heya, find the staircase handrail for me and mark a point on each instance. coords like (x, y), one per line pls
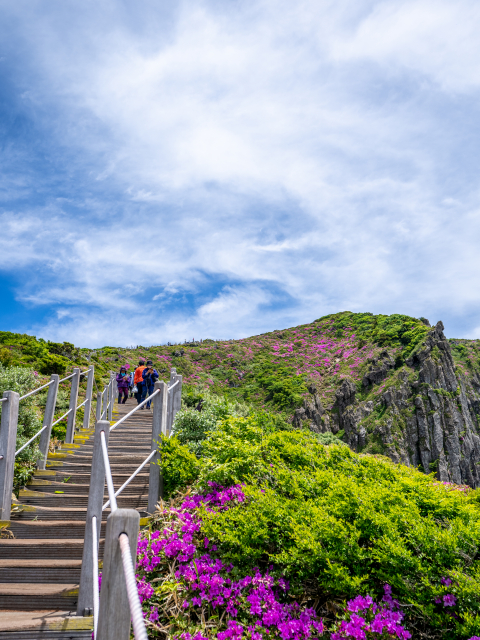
(30, 393)
(121, 538)
(9, 422)
(127, 482)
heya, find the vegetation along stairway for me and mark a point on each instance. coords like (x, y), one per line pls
(40, 566)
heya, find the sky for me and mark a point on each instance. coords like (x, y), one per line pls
(222, 168)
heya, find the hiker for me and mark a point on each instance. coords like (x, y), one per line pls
(138, 381)
(132, 384)
(123, 382)
(150, 376)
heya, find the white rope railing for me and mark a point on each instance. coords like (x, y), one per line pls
(108, 473)
(36, 390)
(3, 399)
(60, 419)
(96, 595)
(138, 623)
(173, 385)
(133, 410)
(127, 482)
(31, 440)
(67, 378)
(81, 405)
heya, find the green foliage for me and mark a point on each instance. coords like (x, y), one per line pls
(340, 522)
(191, 426)
(22, 381)
(6, 357)
(284, 390)
(45, 357)
(329, 438)
(393, 331)
(51, 363)
(180, 466)
(23, 473)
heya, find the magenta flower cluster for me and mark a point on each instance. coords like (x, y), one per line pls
(375, 619)
(448, 599)
(208, 582)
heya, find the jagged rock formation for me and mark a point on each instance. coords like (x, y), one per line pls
(427, 416)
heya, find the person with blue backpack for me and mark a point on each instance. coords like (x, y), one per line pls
(150, 376)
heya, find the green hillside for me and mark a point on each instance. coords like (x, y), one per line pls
(356, 375)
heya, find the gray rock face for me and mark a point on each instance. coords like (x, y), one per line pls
(313, 412)
(429, 417)
(379, 369)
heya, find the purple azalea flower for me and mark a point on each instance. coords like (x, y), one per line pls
(449, 600)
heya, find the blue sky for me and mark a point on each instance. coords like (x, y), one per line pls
(220, 169)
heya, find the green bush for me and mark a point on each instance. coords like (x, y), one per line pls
(6, 357)
(284, 390)
(22, 381)
(52, 363)
(393, 331)
(191, 426)
(180, 466)
(337, 523)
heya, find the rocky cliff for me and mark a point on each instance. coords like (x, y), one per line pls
(424, 413)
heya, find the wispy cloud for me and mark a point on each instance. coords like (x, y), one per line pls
(223, 168)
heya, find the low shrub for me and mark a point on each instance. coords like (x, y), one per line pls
(337, 524)
(192, 425)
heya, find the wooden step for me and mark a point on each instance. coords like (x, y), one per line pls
(65, 500)
(46, 486)
(39, 570)
(47, 634)
(22, 596)
(40, 567)
(37, 512)
(44, 548)
(84, 478)
(45, 529)
(44, 625)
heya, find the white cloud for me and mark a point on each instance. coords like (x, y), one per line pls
(436, 38)
(305, 155)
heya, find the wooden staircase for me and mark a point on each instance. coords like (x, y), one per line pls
(40, 567)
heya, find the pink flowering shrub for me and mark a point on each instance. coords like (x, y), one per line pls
(207, 591)
(184, 586)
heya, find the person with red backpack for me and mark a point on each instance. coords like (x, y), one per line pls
(138, 381)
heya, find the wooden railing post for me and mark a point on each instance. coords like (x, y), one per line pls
(73, 406)
(159, 425)
(168, 429)
(98, 409)
(174, 399)
(104, 403)
(177, 397)
(114, 614)
(94, 508)
(112, 395)
(8, 441)
(88, 397)
(48, 421)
